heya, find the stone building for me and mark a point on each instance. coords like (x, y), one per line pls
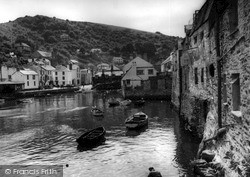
(214, 81)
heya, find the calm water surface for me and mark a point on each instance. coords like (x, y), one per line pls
(43, 132)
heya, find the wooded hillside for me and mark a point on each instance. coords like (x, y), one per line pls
(74, 40)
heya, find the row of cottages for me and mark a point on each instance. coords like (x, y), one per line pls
(40, 68)
(211, 80)
(137, 71)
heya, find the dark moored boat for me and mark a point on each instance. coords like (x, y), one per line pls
(114, 103)
(139, 102)
(96, 112)
(126, 102)
(92, 138)
(137, 121)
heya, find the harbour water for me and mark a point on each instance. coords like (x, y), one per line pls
(43, 131)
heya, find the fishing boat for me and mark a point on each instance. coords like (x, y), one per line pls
(92, 138)
(96, 112)
(126, 102)
(113, 102)
(139, 102)
(136, 121)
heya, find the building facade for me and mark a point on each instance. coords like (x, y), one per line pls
(62, 76)
(137, 71)
(75, 72)
(28, 77)
(214, 79)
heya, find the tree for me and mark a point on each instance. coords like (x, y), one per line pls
(149, 48)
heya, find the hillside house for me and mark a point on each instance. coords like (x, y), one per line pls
(118, 60)
(6, 73)
(137, 71)
(64, 37)
(102, 66)
(28, 77)
(42, 54)
(22, 48)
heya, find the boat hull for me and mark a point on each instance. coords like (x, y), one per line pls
(139, 103)
(97, 112)
(135, 125)
(136, 121)
(92, 138)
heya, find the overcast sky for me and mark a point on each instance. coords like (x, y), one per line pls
(165, 16)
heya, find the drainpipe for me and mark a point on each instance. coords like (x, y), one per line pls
(180, 80)
(217, 41)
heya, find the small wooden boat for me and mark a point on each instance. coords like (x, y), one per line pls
(126, 102)
(114, 102)
(97, 112)
(137, 120)
(139, 102)
(92, 138)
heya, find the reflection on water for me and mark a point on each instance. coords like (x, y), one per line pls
(44, 132)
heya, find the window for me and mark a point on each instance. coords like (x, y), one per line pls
(128, 82)
(202, 74)
(63, 83)
(211, 70)
(233, 15)
(63, 73)
(201, 36)
(150, 71)
(28, 83)
(236, 91)
(195, 39)
(9, 77)
(224, 88)
(139, 72)
(196, 75)
(34, 83)
(27, 77)
(63, 78)
(34, 77)
(56, 73)
(56, 78)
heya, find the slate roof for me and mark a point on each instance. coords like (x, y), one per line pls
(44, 54)
(21, 44)
(48, 68)
(139, 63)
(28, 72)
(61, 68)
